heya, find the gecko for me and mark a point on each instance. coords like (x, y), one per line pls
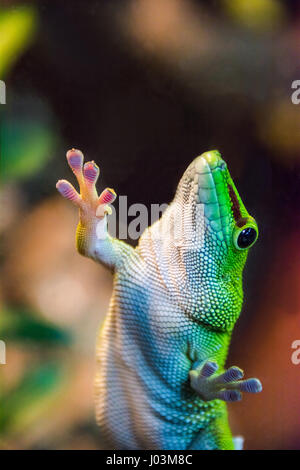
(161, 381)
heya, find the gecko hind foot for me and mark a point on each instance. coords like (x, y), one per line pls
(226, 386)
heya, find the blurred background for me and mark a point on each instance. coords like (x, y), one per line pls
(142, 87)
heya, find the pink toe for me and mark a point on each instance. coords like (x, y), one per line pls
(75, 159)
(108, 196)
(67, 190)
(91, 172)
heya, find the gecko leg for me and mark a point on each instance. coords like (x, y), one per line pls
(226, 386)
(92, 237)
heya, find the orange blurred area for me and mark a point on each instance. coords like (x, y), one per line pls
(272, 420)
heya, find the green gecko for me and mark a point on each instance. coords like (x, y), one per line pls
(160, 377)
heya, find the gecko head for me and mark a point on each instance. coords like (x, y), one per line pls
(216, 234)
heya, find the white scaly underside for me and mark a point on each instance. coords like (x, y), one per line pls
(150, 341)
(145, 351)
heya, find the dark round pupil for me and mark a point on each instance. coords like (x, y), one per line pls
(246, 237)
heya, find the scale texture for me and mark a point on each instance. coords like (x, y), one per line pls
(160, 377)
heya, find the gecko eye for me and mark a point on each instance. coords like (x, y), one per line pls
(246, 236)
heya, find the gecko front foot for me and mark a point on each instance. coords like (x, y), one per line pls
(226, 386)
(90, 204)
(92, 237)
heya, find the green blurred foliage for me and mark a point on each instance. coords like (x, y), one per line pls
(17, 29)
(22, 326)
(40, 384)
(25, 141)
(25, 147)
(20, 406)
(258, 15)
(27, 138)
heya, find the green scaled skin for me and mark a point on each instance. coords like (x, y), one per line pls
(160, 381)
